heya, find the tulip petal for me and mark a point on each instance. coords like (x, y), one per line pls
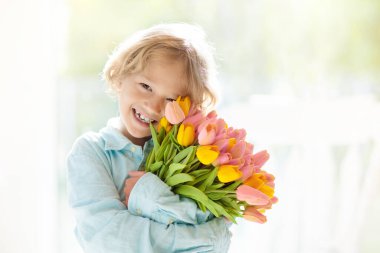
(238, 149)
(228, 173)
(185, 104)
(207, 135)
(186, 135)
(252, 214)
(223, 158)
(260, 158)
(247, 171)
(174, 113)
(164, 123)
(207, 154)
(251, 195)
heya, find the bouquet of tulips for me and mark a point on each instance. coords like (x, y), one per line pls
(203, 159)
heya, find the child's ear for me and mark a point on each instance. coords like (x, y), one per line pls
(118, 86)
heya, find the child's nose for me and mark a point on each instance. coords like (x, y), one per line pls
(157, 105)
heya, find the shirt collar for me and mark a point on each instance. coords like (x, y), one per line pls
(115, 140)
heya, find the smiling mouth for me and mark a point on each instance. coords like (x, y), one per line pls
(142, 118)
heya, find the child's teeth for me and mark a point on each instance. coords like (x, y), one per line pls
(146, 120)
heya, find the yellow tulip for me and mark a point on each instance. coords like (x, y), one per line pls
(207, 154)
(229, 173)
(164, 123)
(186, 135)
(185, 104)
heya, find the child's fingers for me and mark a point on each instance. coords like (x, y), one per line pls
(136, 173)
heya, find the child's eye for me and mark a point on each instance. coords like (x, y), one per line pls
(145, 86)
(170, 99)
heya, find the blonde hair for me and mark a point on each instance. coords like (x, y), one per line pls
(181, 41)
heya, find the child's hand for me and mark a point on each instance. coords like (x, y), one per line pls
(130, 183)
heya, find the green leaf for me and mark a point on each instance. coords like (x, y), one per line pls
(171, 154)
(189, 155)
(218, 194)
(155, 166)
(233, 186)
(149, 160)
(197, 173)
(179, 179)
(174, 168)
(166, 152)
(198, 180)
(201, 206)
(182, 154)
(161, 135)
(221, 210)
(194, 166)
(228, 202)
(154, 136)
(214, 187)
(162, 172)
(195, 194)
(209, 180)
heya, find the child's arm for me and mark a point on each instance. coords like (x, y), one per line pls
(152, 198)
(105, 225)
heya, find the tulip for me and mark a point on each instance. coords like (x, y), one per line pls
(259, 159)
(185, 104)
(228, 173)
(223, 158)
(247, 171)
(252, 214)
(251, 195)
(174, 113)
(238, 149)
(164, 123)
(186, 135)
(207, 154)
(238, 134)
(222, 144)
(195, 117)
(212, 115)
(263, 182)
(207, 134)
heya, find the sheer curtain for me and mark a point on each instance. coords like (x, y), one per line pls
(326, 156)
(30, 31)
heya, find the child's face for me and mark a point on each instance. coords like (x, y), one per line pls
(142, 96)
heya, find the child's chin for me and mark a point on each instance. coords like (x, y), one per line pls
(141, 135)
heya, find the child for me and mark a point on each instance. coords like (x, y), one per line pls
(117, 207)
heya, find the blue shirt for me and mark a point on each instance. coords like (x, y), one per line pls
(157, 220)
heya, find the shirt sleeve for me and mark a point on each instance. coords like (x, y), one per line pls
(152, 198)
(105, 225)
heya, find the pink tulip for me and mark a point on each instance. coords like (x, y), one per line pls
(251, 195)
(195, 118)
(222, 144)
(252, 214)
(174, 113)
(207, 134)
(238, 149)
(248, 148)
(223, 158)
(238, 134)
(212, 115)
(259, 159)
(247, 171)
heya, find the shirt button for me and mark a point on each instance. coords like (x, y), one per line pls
(133, 149)
(138, 211)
